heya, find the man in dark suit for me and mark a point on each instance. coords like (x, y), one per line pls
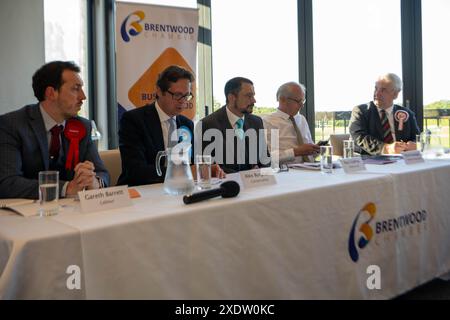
(380, 127)
(232, 135)
(147, 130)
(35, 137)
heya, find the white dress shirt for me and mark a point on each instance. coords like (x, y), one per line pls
(389, 113)
(233, 118)
(49, 123)
(287, 135)
(164, 118)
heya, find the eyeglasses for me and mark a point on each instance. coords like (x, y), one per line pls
(300, 102)
(179, 97)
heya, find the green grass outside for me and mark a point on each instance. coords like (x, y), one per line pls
(440, 135)
(440, 129)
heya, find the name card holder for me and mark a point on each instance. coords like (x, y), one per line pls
(412, 157)
(104, 199)
(351, 165)
(257, 178)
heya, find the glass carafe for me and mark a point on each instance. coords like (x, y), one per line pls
(178, 179)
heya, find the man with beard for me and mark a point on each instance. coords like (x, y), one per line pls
(40, 137)
(235, 137)
(380, 127)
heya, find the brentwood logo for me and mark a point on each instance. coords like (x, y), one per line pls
(135, 27)
(134, 24)
(387, 229)
(366, 231)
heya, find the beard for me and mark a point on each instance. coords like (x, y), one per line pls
(248, 109)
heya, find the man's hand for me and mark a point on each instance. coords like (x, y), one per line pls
(411, 146)
(306, 149)
(216, 171)
(395, 147)
(84, 178)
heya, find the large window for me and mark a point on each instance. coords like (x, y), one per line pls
(66, 36)
(175, 3)
(257, 40)
(354, 42)
(436, 68)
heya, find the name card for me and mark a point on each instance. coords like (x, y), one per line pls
(104, 199)
(351, 165)
(412, 157)
(257, 177)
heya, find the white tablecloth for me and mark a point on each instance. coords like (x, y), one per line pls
(287, 241)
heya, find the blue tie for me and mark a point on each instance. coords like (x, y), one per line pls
(239, 130)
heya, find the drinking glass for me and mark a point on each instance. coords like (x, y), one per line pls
(349, 148)
(203, 163)
(326, 159)
(48, 193)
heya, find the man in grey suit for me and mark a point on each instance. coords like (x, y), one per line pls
(37, 137)
(380, 126)
(232, 135)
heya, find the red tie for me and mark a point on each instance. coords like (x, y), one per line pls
(387, 134)
(54, 141)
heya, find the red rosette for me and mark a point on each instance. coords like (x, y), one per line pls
(401, 117)
(74, 131)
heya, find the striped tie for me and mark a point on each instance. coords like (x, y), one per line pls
(387, 134)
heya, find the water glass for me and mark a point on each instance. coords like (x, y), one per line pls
(203, 163)
(48, 193)
(326, 159)
(349, 149)
(420, 143)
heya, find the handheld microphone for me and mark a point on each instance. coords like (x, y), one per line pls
(228, 189)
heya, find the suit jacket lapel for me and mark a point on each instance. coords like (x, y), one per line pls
(37, 124)
(224, 122)
(398, 134)
(373, 110)
(154, 126)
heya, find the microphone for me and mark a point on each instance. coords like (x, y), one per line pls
(228, 189)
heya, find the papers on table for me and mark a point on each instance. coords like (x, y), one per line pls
(310, 165)
(14, 202)
(380, 159)
(24, 207)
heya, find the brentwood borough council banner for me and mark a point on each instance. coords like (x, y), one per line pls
(149, 38)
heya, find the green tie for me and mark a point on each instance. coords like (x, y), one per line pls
(239, 130)
(299, 137)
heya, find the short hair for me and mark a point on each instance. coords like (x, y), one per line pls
(394, 79)
(50, 75)
(173, 74)
(285, 90)
(234, 85)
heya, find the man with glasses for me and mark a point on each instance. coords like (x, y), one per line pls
(295, 143)
(380, 127)
(145, 131)
(238, 136)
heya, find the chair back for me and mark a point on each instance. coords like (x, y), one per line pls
(113, 163)
(336, 140)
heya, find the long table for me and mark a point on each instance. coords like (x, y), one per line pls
(298, 239)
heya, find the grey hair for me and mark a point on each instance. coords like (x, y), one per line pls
(286, 89)
(394, 79)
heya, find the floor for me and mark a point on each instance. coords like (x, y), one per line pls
(436, 289)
